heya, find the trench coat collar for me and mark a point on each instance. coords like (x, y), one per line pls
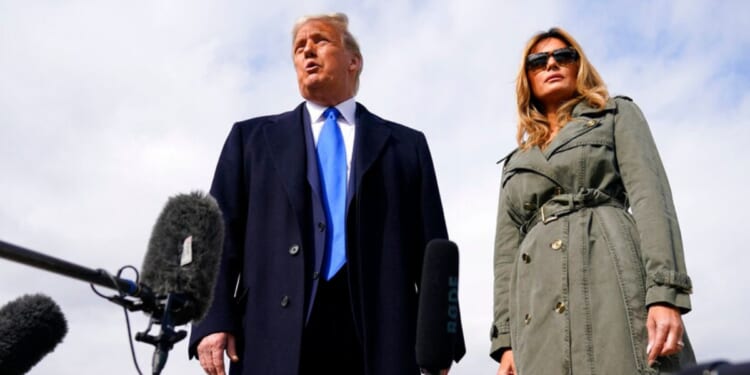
(584, 118)
(585, 109)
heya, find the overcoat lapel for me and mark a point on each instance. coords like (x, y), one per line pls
(370, 138)
(286, 145)
(313, 178)
(313, 175)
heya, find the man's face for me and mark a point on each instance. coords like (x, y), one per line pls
(326, 70)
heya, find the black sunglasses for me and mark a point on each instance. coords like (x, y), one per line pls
(563, 56)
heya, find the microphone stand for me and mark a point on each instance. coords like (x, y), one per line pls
(167, 337)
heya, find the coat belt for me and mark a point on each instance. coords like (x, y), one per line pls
(564, 204)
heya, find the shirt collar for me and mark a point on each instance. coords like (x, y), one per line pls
(347, 109)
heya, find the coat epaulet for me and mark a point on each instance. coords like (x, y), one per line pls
(623, 97)
(507, 157)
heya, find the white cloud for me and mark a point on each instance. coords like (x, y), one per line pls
(106, 109)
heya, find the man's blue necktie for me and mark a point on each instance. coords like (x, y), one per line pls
(332, 167)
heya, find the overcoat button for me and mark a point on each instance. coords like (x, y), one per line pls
(529, 206)
(590, 123)
(316, 275)
(556, 245)
(294, 249)
(560, 307)
(558, 190)
(285, 301)
(526, 258)
(321, 226)
(527, 319)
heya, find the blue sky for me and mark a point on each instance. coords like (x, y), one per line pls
(108, 108)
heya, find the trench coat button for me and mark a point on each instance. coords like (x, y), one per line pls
(316, 275)
(526, 258)
(590, 123)
(321, 226)
(294, 249)
(529, 206)
(527, 319)
(558, 190)
(560, 307)
(285, 301)
(556, 245)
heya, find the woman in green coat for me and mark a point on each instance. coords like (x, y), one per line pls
(590, 275)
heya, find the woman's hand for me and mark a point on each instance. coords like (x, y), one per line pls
(507, 366)
(665, 329)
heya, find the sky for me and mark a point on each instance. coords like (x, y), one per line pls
(108, 108)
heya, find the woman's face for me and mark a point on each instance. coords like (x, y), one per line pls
(554, 81)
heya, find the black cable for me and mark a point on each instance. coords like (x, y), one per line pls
(121, 294)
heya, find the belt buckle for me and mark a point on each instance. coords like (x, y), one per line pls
(547, 219)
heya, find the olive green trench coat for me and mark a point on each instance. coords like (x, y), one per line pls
(574, 269)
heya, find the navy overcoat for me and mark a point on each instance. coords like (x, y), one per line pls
(268, 195)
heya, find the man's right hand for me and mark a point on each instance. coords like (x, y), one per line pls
(211, 352)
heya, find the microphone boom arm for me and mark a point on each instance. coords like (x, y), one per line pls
(65, 268)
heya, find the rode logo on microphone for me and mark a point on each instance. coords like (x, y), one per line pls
(452, 323)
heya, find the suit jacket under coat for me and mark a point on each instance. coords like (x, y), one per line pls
(268, 195)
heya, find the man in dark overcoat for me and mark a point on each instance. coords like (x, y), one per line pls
(327, 209)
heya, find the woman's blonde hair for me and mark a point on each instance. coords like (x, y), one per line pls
(533, 127)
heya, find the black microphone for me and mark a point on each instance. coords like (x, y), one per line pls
(181, 265)
(30, 327)
(438, 315)
(184, 252)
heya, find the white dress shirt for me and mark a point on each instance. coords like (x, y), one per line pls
(346, 123)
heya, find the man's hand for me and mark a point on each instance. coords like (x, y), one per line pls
(211, 352)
